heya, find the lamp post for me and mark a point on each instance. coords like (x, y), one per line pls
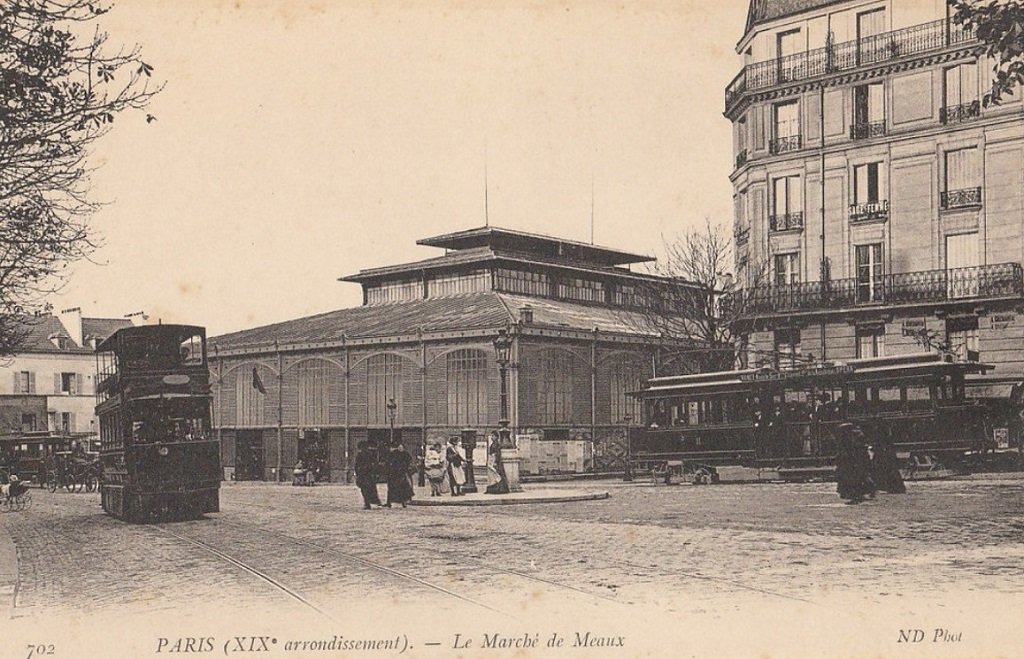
(392, 407)
(628, 473)
(502, 351)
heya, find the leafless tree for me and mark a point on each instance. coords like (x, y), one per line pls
(697, 304)
(61, 86)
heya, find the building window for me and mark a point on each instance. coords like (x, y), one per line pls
(555, 375)
(786, 136)
(395, 291)
(28, 422)
(741, 142)
(963, 179)
(61, 422)
(788, 44)
(787, 269)
(787, 348)
(960, 94)
(787, 204)
(68, 383)
(962, 338)
(249, 398)
(625, 378)
(869, 273)
(870, 47)
(523, 281)
(584, 290)
(962, 278)
(24, 382)
(460, 284)
(314, 393)
(868, 111)
(467, 388)
(870, 341)
(867, 204)
(383, 382)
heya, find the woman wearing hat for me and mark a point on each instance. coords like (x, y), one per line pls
(433, 465)
(399, 468)
(366, 473)
(853, 465)
(455, 458)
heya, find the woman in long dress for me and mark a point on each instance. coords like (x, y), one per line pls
(455, 460)
(399, 467)
(366, 474)
(433, 465)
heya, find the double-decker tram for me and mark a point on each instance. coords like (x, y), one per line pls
(785, 420)
(159, 457)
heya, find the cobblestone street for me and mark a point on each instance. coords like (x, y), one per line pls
(781, 558)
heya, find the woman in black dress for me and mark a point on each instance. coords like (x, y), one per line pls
(853, 465)
(366, 474)
(399, 466)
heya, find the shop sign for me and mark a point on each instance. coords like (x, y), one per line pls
(1003, 320)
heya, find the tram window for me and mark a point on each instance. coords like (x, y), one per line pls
(693, 413)
(192, 350)
(919, 392)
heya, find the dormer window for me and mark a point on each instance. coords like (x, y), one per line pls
(60, 341)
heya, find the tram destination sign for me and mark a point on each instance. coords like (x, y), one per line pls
(770, 375)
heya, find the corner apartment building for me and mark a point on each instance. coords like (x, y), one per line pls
(884, 200)
(56, 362)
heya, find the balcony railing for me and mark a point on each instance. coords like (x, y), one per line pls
(832, 58)
(786, 222)
(784, 144)
(741, 158)
(954, 114)
(877, 211)
(863, 131)
(966, 198)
(986, 281)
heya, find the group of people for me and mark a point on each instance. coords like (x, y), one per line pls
(446, 469)
(397, 467)
(860, 474)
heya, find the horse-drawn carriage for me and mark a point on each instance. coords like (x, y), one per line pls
(76, 472)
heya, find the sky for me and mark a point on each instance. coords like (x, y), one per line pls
(297, 142)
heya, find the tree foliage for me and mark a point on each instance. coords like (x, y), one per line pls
(697, 306)
(999, 24)
(61, 86)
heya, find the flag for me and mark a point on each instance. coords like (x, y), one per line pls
(257, 383)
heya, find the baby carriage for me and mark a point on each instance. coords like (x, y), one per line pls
(15, 495)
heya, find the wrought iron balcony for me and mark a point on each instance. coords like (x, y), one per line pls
(915, 40)
(954, 114)
(966, 198)
(742, 236)
(877, 211)
(784, 144)
(741, 158)
(786, 222)
(863, 131)
(986, 281)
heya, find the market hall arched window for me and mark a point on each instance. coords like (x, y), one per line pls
(555, 372)
(383, 382)
(250, 393)
(314, 395)
(625, 376)
(467, 388)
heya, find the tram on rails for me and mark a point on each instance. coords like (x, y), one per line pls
(785, 420)
(159, 457)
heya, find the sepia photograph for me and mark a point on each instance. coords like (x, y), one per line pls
(511, 328)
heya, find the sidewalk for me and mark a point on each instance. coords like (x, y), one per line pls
(8, 572)
(530, 494)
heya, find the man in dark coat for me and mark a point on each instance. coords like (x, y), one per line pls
(399, 466)
(366, 474)
(853, 465)
(885, 469)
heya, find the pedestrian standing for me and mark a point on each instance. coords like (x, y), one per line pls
(399, 470)
(885, 469)
(853, 465)
(433, 465)
(454, 459)
(366, 469)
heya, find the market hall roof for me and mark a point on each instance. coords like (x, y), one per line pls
(533, 243)
(472, 311)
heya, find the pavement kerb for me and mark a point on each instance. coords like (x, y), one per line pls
(538, 496)
(8, 571)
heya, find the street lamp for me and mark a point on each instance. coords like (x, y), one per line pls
(628, 473)
(502, 352)
(392, 407)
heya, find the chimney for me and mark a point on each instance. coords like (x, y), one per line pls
(137, 318)
(71, 319)
(526, 314)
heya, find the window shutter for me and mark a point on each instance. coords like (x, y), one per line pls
(17, 385)
(71, 422)
(79, 384)
(56, 383)
(31, 382)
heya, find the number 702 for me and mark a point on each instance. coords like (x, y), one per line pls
(34, 650)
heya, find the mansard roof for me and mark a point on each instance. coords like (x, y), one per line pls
(763, 11)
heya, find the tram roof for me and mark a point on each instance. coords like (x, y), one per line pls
(183, 331)
(869, 369)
